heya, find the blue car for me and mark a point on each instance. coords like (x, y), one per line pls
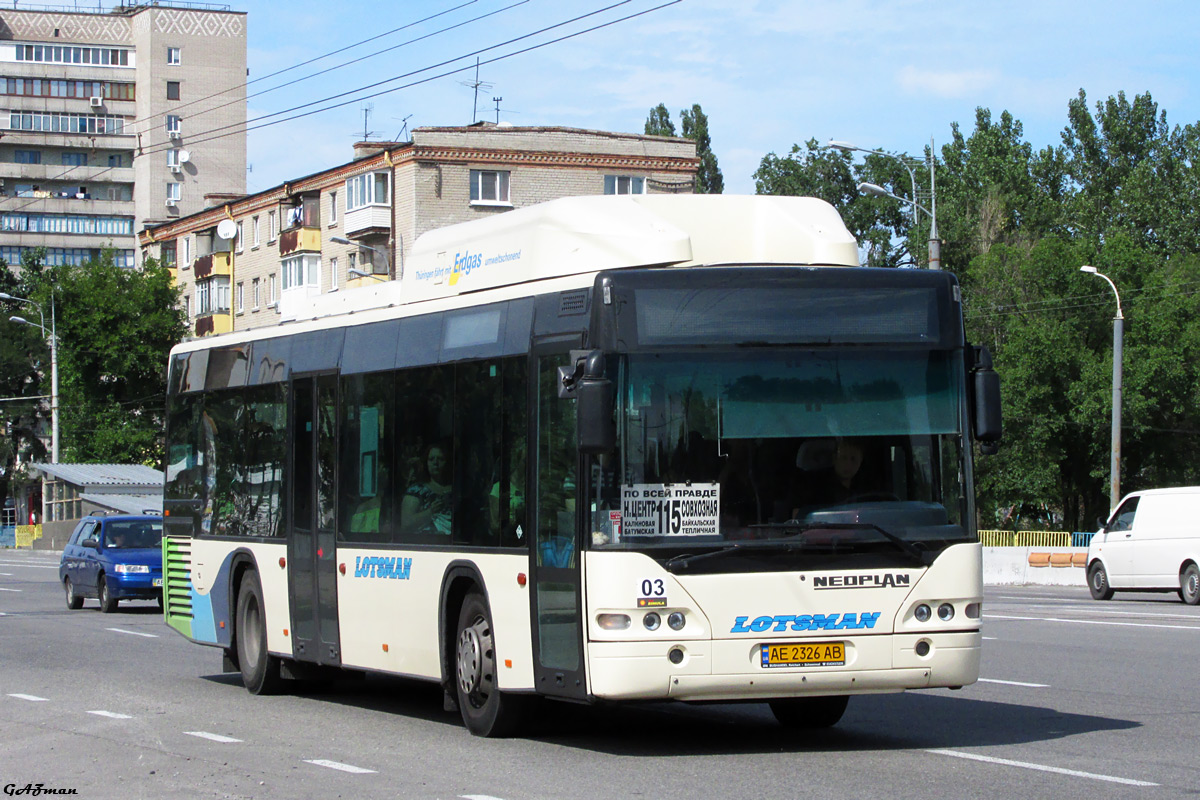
(112, 559)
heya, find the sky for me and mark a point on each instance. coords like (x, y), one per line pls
(887, 75)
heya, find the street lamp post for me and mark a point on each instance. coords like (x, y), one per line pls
(359, 272)
(1114, 489)
(935, 244)
(53, 337)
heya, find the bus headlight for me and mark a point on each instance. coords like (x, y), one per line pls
(676, 621)
(613, 622)
(652, 621)
(945, 612)
(922, 613)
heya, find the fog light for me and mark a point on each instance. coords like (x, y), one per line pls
(922, 648)
(676, 621)
(676, 655)
(945, 612)
(974, 610)
(613, 622)
(922, 613)
(652, 621)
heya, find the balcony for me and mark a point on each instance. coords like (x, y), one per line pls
(30, 173)
(299, 240)
(368, 221)
(214, 324)
(213, 264)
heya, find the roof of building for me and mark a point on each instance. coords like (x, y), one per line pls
(104, 474)
(127, 503)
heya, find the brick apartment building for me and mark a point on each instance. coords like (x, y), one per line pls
(102, 130)
(252, 261)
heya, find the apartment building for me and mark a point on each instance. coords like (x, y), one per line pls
(111, 122)
(255, 261)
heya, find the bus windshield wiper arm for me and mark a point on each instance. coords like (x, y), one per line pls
(679, 562)
(914, 549)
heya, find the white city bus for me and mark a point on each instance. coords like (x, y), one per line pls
(599, 449)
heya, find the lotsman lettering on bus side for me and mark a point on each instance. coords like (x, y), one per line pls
(378, 567)
(805, 622)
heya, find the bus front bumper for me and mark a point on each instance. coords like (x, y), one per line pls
(728, 669)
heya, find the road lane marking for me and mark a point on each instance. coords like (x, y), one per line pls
(35, 566)
(33, 698)
(1099, 609)
(989, 638)
(322, 762)
(6, 574)
(110, 714)
(479, 797)
(215, 737)
(1041, 768)
(1098, 622)
(2, 589)
(133, 633)
(1016, 683)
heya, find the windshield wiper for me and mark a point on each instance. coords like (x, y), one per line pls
(793, 541)
(681, 562)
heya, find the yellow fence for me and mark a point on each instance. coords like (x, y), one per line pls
(26, 534)
(1025, 538)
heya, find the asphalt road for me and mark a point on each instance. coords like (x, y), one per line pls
(1079, 699)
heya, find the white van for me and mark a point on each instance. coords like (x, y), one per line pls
(1151, 543)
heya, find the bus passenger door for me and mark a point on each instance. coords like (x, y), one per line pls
(555, 561)
(312, 556)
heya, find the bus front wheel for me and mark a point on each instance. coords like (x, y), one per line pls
(486, 710)
(809, 713)
(260, 669)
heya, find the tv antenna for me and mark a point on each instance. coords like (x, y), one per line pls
(367, 108)
(497, 100)
(401, 136)
(476, 85)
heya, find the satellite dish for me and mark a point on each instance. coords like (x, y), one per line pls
(226, 229)
(184, 156)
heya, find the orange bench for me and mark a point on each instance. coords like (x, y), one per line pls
(1061, 559)
(1079, 559)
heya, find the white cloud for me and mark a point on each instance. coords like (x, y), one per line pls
(946, 84)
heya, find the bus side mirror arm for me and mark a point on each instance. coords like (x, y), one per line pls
(594, 405)
(985, 410)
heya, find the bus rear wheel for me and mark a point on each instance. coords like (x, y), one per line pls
(260, 669)
(486, 711)
(809, 713)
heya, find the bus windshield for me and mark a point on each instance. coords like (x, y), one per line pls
(831, 451)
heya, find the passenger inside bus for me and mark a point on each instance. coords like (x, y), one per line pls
(426, 508)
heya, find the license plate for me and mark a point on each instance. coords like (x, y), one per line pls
(804, 654)
(158, 581)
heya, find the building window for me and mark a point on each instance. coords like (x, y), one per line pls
(368, 189)
(172, 90)
(95, 56)
(255, 294)
(489, 186)
(27, 156)
(238, 239)
(174, 124)
(241, 297)
(212, 295)
(66, 223)
(166, 254)
(52, 122)
(187, 252)
(173, 157)
(272, 297)
(271, 229)
(333, 208)
(117, 160)
(49, 87)
(333, 276)
(256, 236)
(301, 271)
(187, 306)
(173, 56)
(175, 191)
(353, 259)
(624, 184)
(74, 159)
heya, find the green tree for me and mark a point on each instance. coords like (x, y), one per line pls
(659, 122)
(695, 127)
(115, 329)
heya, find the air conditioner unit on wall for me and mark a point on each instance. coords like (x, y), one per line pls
(175, 168)
(173, 134)
(171, 203)
(96, 101)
